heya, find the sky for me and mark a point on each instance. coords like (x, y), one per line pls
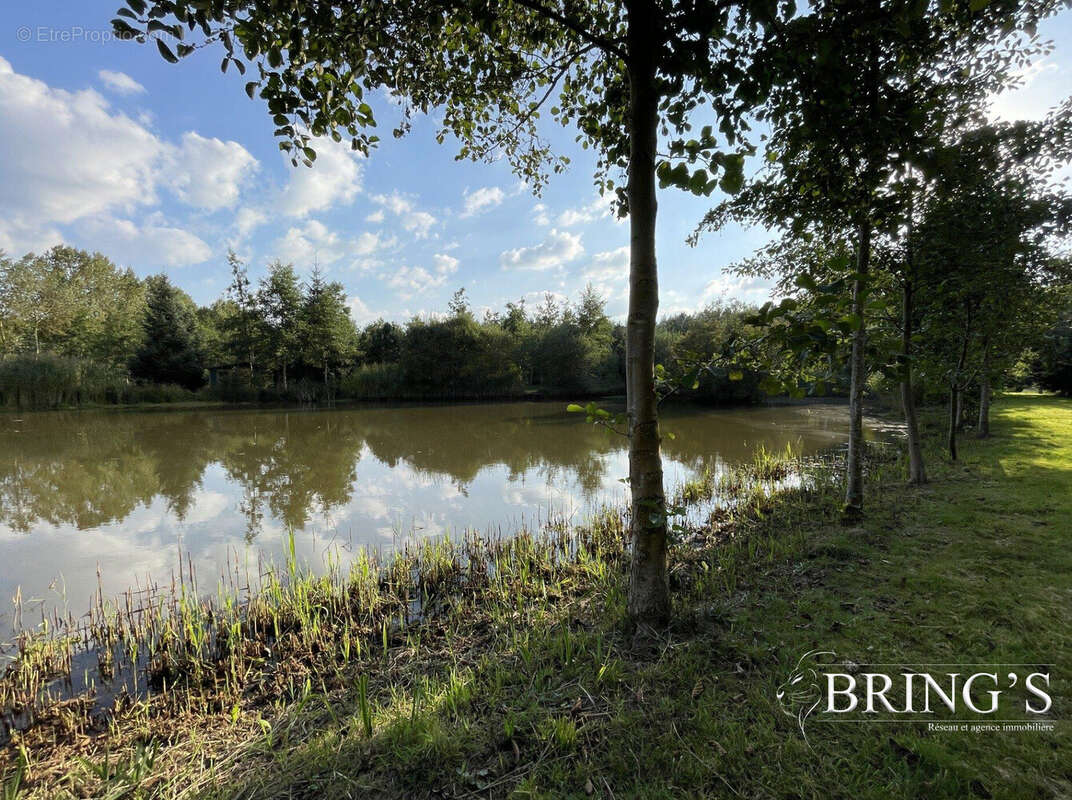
(163, 168)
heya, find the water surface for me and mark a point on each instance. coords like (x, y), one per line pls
(123, 494)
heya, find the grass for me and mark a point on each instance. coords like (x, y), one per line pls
(516, 678)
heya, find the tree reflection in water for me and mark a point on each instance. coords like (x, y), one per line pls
(216, 481)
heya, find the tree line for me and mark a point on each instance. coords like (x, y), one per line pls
(75, 328)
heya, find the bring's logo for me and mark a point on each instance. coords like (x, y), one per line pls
(969, 697)
(802, 692)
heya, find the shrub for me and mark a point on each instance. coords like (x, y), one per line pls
(373, 382)
(51, 381)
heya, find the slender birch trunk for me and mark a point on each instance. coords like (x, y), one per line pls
(983, 426)
(917, 473)
(648, 602)
(854, 473)
(951, 440)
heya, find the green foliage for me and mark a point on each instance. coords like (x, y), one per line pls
(326, 332)
(373, 381)
(381, 343)
(70, 302)
(279, 303)
(55, 381)
(457, 357)
(560, 350)
(702, 358)
(1052, 367)
(171, 350)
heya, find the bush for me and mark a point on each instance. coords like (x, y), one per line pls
(458, 358)
(373, 382)
(51, 381)
(1053, 365)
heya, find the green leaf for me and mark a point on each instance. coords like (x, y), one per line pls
(736, 375)
(574, 408)
(165, 51)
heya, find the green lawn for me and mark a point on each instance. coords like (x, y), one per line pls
(542, 698)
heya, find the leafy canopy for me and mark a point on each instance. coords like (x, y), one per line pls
(491, 70)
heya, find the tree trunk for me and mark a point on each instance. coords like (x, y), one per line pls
(955, 400)
(854, 472)
(983, 428)
(917, 474)
(954, 405)
(649, 591)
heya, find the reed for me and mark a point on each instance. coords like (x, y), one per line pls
(173, 656)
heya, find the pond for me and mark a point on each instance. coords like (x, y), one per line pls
(113, 499)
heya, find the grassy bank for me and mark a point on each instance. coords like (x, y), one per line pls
(515, 677)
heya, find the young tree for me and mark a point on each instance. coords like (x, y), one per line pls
(244, 326)
(984, 259)
(279, 300)
(1052, 366)
(381, 343)
(72, 302)
(170, 351)
(859, 91)
(328, 334)
(623, 72)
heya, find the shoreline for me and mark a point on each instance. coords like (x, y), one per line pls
(518, 678)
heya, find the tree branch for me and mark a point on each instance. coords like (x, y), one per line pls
(610, 46)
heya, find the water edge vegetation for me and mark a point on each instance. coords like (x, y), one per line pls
(503, 668)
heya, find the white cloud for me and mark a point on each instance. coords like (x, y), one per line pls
(70, 159)
(120, 82)
(247, 220)
(539, 215)
(359, 312)
(315, 242)
(419, 223)
(209, 173)
(67, 156)
(444, 264)
(368, 243)
(597, 209)
(310, 243)
(375, 216)
(557, 249)
(408, 281)
(155, 242)
(609, 272)
(481, 200)
(727, 286)
(18, 237)
(333, 179)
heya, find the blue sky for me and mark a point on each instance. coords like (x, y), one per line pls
(163, 167)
